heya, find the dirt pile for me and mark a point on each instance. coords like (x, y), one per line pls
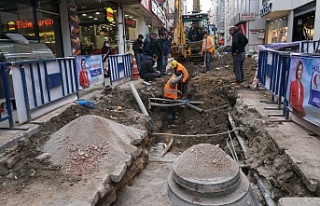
(91, 141)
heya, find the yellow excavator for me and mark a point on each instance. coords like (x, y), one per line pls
(188, 33)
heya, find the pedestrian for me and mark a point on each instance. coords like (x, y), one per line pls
(147, 72)
(239, 41)
(171, 92)
(207, 50)
(137, 49)
(159, 51)
(148, 46)
(178, 67)
(105, 50)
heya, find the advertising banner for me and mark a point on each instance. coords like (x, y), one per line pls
(303, 89)
(89, 70)
(74, 28)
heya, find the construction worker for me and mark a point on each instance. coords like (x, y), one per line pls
(207, 49)
(171, 92)
(177, 67)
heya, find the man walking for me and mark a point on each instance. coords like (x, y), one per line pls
(207, 49)
(239, 41)
(137, 49)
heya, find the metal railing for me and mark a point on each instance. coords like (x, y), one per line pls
(4, 81)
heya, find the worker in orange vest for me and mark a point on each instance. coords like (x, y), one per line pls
(179, 68)
(207, 49)
(171, 92)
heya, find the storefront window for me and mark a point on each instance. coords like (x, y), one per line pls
(277, 30)
(303, 28)
(98, 24)
(49, 32)
(131, 27)
(19, 17)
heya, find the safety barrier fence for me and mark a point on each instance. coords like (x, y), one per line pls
(119, 68)
(292, 78)
(40, 83)
(5, 100)
(273, 73)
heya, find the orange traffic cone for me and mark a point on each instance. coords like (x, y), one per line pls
(135, 71)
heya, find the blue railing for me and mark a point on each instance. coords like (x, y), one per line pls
(4, 81)
(273, 72)
(119, 67)
(45, 81)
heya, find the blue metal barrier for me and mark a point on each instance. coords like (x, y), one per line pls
(309, 46)
(47, 81)
(273, 72)
(6, 90)
(119, 67)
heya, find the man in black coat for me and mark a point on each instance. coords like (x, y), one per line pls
(159, 51)
(147, 72)
(239, 42)
(137, 49)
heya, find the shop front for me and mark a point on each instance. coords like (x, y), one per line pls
(303, 24)
(276, 17)
(98, 25)
(40, 23)
(277, 30)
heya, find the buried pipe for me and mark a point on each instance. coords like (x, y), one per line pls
(244, 148)
(264, 191)
(138, 99)
(194, 135)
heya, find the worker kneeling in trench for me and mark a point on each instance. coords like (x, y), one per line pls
(175, 88)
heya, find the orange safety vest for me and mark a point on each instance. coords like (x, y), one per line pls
(209, 43)
(185, 72)
(169, 92)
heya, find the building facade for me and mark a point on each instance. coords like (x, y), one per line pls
(288, 21)
(73, 27)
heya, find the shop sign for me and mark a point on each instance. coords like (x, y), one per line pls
(24, 24)
(170, 16)
(247, 16)
(154, 7)
(130, 23)
(110, 14)
(265, 9)
(11, 26)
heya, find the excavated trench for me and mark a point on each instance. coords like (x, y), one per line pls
(218, 100)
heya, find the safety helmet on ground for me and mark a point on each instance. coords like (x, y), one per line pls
(174, 64)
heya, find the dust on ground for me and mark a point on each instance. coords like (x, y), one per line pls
(119, 105)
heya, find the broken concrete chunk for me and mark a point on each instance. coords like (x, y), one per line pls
(12, 161)
(43, 157)
(3, 171)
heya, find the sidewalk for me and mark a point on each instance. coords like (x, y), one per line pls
(300, 145)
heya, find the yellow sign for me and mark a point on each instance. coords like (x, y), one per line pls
(109, 14)
(11, 26)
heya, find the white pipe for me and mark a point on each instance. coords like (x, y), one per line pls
(138, 99)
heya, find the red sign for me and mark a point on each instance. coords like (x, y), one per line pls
(131, 23)
(28, 24)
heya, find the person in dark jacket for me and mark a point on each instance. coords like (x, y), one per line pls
(137, 49)
(159, 51)
(239, 42)
(148, 46)
(147, 72)
(193, 34)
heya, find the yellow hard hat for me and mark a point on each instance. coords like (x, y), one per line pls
(174, 64)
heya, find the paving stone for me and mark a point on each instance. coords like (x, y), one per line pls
(299, 201)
